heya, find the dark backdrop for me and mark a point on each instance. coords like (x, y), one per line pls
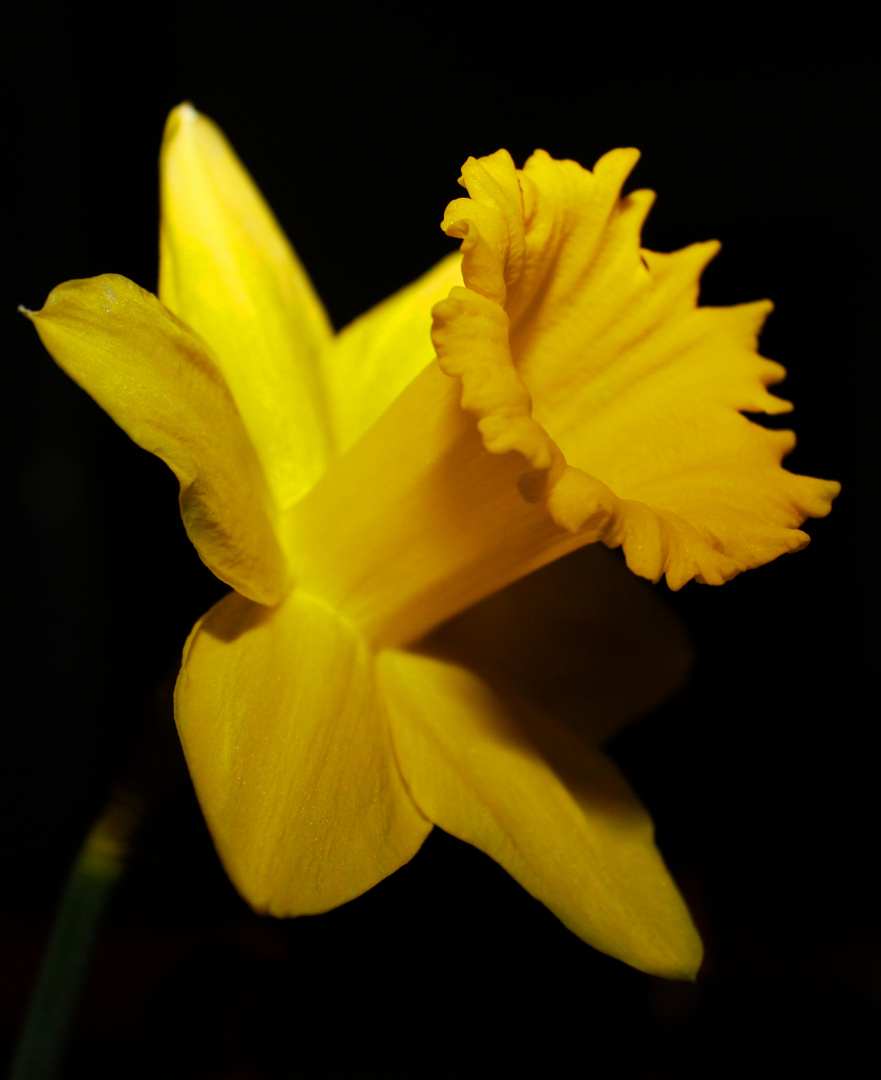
(756, 128)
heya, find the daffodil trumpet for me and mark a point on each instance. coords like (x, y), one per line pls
(551, 385)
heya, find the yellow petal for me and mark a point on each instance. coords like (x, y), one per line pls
(227, 270)
(287, 742)
(416, 522)
(583, 639)
(159, 382)
(550, 808)
(590, 358)
(371, 361)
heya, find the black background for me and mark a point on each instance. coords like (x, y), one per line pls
(756, 128)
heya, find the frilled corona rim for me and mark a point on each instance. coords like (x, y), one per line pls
(563, 312)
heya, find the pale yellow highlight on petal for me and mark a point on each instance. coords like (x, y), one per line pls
(228, 271)
(547, 806)
(590, 358)
(287, 742)
(160, 383)
(370, 362)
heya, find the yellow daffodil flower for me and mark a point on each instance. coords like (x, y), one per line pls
(551, 386)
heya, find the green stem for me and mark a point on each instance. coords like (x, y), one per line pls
(99, 865)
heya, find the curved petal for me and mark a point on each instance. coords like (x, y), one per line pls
(370, 362)
(550, 808)
(590, 358)
(287, 742)
(159, 382)
(227, 270)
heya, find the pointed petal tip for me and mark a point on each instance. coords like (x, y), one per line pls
(186, 112)
(621, 160)
(686, 963)
(183, 117)
(685, 973)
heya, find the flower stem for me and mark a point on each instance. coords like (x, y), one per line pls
(98, 867)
